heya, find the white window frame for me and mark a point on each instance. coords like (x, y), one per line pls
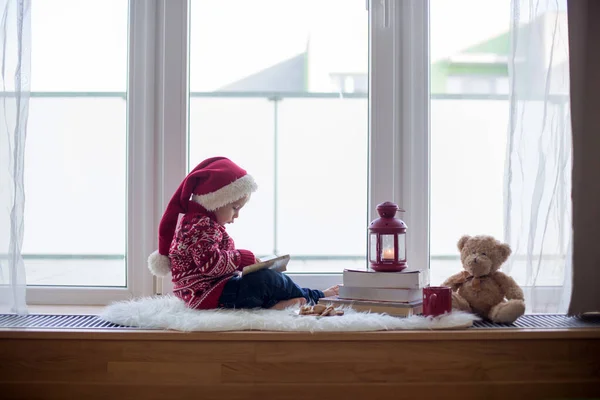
(173, 109)
(144, 178)
(158, 126)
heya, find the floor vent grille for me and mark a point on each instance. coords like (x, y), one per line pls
(47, 321)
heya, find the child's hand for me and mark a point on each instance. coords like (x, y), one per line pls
(256, 260)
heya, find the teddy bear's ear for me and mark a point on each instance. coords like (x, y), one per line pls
(504, 250)
(462, 241)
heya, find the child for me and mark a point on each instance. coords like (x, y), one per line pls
(205, 265)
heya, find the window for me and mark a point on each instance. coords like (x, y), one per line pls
(468, 125)
(469, 131)
(260, 92)
(76, 158)
(329, 121)
(134, 99)
(81, 174)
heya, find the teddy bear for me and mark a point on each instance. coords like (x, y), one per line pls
(480, 288)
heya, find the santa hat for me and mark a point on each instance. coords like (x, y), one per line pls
(214, 183)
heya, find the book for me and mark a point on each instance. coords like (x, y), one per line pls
(380, 294)
(274, 262)
(411, 279)
(391, 308)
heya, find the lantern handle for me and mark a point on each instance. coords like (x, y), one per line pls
(388, 209)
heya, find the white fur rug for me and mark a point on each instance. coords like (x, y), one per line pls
(169, 312)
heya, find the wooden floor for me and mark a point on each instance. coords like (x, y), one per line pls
(472, 364)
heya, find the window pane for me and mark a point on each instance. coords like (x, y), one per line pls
(322, 201)
(469, 55)
(75, 165)
(470, 47)
(79, 46)
(281, 90)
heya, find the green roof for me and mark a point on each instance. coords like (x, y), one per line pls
(497, 45)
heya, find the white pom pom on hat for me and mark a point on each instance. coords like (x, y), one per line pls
(158, 264)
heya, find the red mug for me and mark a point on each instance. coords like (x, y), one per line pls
(437, 300)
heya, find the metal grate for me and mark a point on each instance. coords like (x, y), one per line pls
(531, 321)
(47, 321)
(541, 321)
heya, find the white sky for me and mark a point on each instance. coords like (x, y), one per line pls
(81, 45)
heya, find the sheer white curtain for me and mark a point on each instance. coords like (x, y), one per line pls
(539, 154)
(15, 60)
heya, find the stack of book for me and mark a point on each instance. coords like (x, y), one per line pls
(394, 293)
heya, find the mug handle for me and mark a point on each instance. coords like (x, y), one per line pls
(432, 301)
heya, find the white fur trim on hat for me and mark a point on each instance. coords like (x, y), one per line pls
(159, 264)
(227, 194)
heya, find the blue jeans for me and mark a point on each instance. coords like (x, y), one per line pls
(264, 288)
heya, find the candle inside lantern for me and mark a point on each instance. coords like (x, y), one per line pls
(388, 254)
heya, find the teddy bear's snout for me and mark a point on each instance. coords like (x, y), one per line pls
(478, 265)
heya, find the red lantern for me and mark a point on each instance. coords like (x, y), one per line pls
(387, 240)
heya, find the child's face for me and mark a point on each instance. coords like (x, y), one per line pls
(228, 213)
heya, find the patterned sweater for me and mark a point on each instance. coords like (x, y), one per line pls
(203, 258)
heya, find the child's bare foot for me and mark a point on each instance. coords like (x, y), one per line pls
(332, 291)
(283, 304)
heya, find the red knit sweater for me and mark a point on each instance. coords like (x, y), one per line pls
(203, 258)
